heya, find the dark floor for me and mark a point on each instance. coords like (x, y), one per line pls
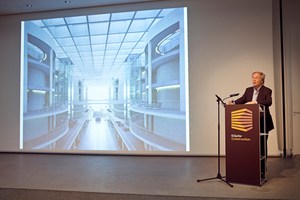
(142, 175)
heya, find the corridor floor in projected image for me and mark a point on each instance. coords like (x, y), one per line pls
(98, 135)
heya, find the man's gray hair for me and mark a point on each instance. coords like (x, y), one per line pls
(262, 76)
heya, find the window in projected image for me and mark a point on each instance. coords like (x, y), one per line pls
(114, 82)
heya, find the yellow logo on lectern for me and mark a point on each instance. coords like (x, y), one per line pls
(241, 120)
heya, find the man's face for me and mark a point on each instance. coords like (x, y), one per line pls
(256, 80)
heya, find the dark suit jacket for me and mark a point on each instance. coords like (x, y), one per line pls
(265, 98)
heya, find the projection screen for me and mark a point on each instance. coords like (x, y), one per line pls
(108, 82)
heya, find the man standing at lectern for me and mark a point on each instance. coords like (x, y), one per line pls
(258, 94)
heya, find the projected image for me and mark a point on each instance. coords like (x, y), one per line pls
(114, 82)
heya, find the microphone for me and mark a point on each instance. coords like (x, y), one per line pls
(233, 95)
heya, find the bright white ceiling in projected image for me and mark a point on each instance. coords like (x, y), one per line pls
(98, 45)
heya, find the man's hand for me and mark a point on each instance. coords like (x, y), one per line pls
(251, 102)
(229, 102)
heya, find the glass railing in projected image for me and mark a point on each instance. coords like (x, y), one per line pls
(37, 56)
(38, 81)
(167, 47)
(158, 104)
(46, 137)
(42, 108)
(87, 102)
(157, 138)
(165, 76)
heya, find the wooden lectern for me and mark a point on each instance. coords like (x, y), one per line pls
(244, 157)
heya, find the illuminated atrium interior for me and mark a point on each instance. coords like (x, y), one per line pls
(121, 74)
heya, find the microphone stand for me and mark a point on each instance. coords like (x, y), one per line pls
(218, 174)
